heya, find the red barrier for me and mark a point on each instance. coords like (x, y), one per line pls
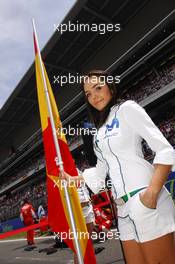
(24, 229)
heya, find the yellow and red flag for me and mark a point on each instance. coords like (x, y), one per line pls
(58, 217)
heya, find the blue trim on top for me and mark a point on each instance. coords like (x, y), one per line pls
(103, 159)
(121, 173)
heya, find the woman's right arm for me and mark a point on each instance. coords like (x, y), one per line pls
(94, 177)
(76, 179)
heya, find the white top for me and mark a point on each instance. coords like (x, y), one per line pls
(118, 148)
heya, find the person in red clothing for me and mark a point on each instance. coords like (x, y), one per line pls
(27, 215)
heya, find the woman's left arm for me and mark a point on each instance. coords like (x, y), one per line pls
(137, 118)
(150, 196)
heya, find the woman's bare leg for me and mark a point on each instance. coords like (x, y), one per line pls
(133, 252)
(160, 250)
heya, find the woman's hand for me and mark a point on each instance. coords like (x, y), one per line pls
(66, 176)
(72, 180)
(149, 198)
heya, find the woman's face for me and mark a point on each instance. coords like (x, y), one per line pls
(98, 94)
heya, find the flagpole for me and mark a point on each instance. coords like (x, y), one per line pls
(58, 153)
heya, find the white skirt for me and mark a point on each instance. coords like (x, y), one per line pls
(140, 223)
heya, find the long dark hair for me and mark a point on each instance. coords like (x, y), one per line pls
(99, 117)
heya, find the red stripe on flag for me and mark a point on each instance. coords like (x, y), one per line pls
(35, 46)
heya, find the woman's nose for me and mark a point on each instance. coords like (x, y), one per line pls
(94, 96)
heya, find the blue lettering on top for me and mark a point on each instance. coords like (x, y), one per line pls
(115, 123)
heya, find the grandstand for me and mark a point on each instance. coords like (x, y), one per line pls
(142, 53)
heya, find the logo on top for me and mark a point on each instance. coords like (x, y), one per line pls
(114, 124)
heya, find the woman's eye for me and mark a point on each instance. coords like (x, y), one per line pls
(87, 95)
(98, 87)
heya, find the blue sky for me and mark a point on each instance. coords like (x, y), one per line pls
(16, 41)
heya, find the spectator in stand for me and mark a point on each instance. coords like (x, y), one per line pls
(152, 82)
(28, 216)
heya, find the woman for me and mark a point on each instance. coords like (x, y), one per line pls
(145, 209)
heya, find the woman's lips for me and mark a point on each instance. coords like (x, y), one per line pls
(98, 102)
